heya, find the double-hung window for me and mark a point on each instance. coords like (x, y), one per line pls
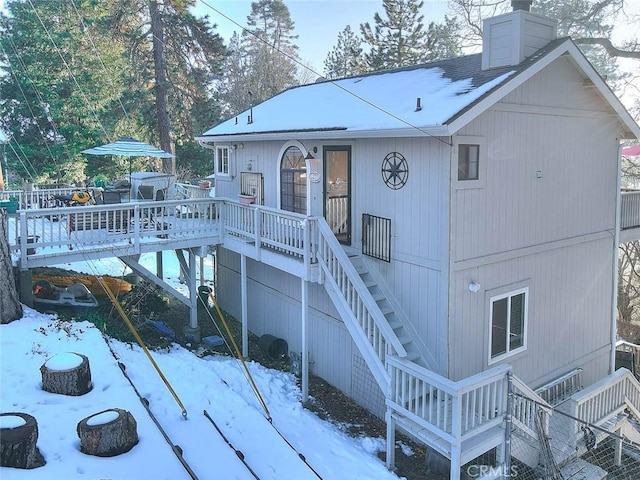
(222, 160)
(508, 314)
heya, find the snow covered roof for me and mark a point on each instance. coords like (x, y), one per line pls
(410, 101)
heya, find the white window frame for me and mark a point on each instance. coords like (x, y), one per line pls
(278, 164)
(220, 170)
(482, 161)
(508, 353)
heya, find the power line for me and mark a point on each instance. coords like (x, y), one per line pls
(332, 82)
(75, 81)
(99, 56)
(28, 104)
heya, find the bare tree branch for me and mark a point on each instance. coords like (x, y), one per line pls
(609, 47)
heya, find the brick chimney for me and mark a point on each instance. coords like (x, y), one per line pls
(510, 38)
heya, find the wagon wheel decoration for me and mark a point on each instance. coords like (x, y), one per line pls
(395, 170)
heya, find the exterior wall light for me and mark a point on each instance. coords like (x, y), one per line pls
(474, 287)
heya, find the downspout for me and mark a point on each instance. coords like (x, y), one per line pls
(449, 252)
(616, 253)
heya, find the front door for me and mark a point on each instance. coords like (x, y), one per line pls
(337, 191)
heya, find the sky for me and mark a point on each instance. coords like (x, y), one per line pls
(317, 22)
(213, 383)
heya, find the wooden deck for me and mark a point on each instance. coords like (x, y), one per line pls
(44, 236)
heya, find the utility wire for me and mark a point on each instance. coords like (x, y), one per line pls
(109, 76)
(17, 155)
(332, 82)
(24, 95)
(75, 80)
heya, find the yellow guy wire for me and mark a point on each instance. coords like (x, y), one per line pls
(124, 316)
(240, 357)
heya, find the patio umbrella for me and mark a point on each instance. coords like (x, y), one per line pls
(631, 151)
(129, 147)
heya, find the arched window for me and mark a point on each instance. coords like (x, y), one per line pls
(293, 181)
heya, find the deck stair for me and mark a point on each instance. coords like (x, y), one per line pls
(579, 469)
(366, 317)
(601, 409)
(388, 311)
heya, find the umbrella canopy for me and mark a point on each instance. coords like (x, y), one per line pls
(631, 151)
(129, 147)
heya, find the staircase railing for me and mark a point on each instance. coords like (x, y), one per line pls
(630, 209)
(362, 316)
(452, 410)
(605, 399)
(525, 407)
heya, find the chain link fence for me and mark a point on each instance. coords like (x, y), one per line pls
(559, 446)
(547, 443)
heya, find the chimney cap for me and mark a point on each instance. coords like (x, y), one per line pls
(521, 5)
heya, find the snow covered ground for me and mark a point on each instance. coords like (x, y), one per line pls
(217, 384)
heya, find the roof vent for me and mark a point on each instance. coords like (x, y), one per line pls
(418, 104)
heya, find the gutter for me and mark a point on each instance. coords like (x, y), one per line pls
(342, 134)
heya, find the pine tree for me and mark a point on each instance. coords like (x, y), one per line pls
(443, 39)
(401, 39)
(54, 95)
(272, 55)
(233, 88)
(80, 73)
(345, 58)
(179, 55)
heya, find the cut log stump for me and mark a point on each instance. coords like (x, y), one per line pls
(67, 374)
(108, 433)
(18, 437)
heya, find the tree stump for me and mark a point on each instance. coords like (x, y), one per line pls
(67, 374)
(18, 437)
(108, 433)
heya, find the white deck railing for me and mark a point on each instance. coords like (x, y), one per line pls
(185, 190)
(452, 410)
(624, 346)
(36, 198)
(52, 231)
(266, 227)
(525, 406)
(630, 210)
(605, 399)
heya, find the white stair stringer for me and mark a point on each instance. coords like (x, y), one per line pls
(366, 322)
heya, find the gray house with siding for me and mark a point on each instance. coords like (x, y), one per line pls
(464, 222)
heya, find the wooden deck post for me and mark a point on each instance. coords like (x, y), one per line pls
(243, 300)
(193, 291)
(391, 440)
(304, 285)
